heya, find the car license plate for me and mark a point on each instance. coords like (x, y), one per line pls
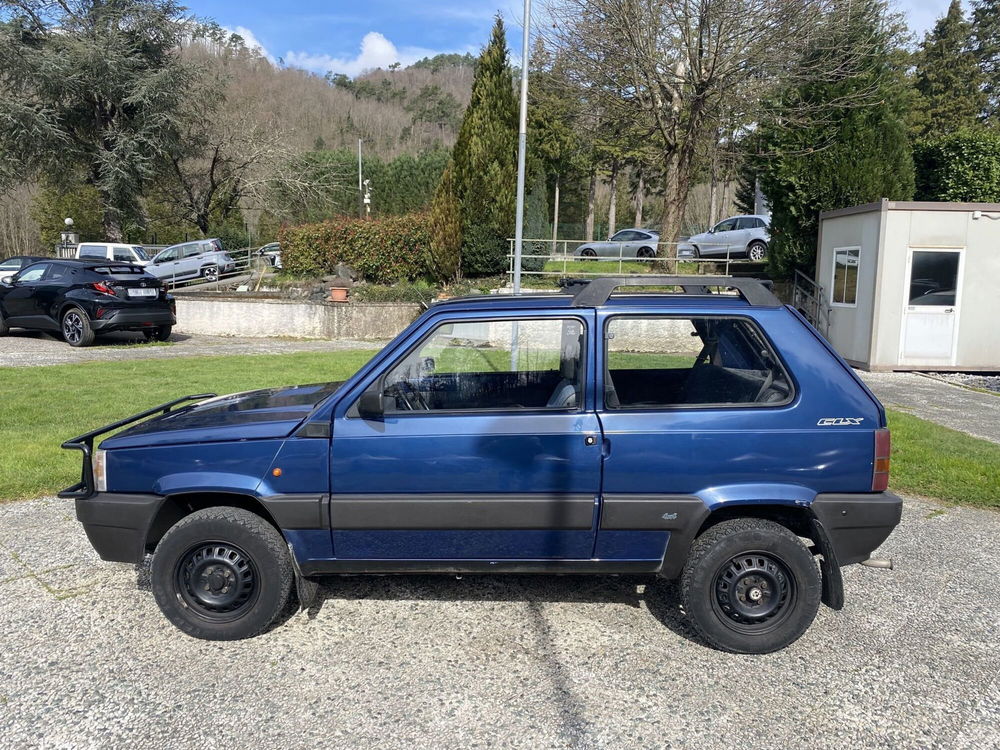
(143, 292)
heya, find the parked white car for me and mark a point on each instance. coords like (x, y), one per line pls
(736, 237)
(134, 254)
(191, 260)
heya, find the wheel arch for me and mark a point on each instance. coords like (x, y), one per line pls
(182, 504)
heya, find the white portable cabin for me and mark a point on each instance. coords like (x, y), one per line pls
(911, 285)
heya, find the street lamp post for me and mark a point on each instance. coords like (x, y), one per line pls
(522, 142)
(67, 238)
(361, 193)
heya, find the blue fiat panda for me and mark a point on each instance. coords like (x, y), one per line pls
(714, 438)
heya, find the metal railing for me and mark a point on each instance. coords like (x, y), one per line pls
(555, 259)
(247, 269)
(808, 298)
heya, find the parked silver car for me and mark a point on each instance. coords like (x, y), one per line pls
(736, 237)
(628, 243)
(190, 260)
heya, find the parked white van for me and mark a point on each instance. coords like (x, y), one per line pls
(113, 251)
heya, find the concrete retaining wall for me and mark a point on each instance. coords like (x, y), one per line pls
(239, 316)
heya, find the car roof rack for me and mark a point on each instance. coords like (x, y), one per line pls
(596, 292)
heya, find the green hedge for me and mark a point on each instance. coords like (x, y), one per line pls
(382, 250)
(963, 166)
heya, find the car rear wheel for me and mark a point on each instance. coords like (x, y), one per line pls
(210, 273)
(159, 333)
(645, 252)
(750, 586)
(757, 251)
(222, 574)
(76, 328)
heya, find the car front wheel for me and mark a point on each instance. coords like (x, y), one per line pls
(76, 328)
(222, 574)
(750, 586)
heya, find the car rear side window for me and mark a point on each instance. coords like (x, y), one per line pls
(668, 362)
(93, 251)
(491, 365)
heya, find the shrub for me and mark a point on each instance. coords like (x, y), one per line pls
(417, 291)
(963, 166)
(382, 251)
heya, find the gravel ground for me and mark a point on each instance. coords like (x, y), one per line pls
(398, 662)
(32, 348)
(973, 380)
(969, 411)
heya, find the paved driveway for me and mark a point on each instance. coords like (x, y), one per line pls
(32, 348)
(974, 412)
(87, 660)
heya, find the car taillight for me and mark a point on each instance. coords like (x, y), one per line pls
(103, 288)
(883, 447)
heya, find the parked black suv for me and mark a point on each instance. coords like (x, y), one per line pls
(81, 298)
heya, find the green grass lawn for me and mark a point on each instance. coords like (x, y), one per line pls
(40, 407)
(937, 462)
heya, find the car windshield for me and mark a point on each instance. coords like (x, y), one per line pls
(140, 253)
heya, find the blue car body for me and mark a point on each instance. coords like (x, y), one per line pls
(581, 489)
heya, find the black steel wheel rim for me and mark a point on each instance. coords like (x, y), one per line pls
(73, 327)
(754, 592)
(217, 580)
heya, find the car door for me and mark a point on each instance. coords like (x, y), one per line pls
(741, 236)
(619, 246)
(719, 238)
(165, 265)
(20, 302)
(192, 258)
(488, 447)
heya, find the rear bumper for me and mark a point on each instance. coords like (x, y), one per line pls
(117, 524)
(126, 319)
(857, 524)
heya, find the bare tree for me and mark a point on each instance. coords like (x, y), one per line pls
(681, 66)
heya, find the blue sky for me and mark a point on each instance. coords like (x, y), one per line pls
(349, 37)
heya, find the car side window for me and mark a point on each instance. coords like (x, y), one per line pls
(57, 272)
(726, 226)
(663, 362)
(122, 253)
(490, 365)
(746, 222)
(167, 255)
(93, 251)
(195, 248)
(33, 273)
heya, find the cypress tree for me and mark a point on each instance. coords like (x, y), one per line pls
(485, 159)
(444, 263)
(948, 75)
(986, 47)
(851, 145)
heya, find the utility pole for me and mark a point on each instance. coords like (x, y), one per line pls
(361, 190)
(522, 143)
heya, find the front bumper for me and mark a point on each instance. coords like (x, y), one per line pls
(117, 523)
(857, 524)
(134, 320)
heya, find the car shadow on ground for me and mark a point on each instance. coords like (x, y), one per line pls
(661, 597)
(105, 340)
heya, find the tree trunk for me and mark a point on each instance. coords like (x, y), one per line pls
(613, 202)
(555, 217)
(640, 197)
(112, 224)
(672, 206)
(590, 205)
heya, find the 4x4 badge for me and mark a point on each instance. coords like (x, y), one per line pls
(669, 516)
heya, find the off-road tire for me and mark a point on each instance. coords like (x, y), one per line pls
(712, 574)
(159, 333)
(75, 327)
(234, 537)
(756, 248)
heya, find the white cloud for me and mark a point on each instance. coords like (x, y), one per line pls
(252, 42)
(376, 52)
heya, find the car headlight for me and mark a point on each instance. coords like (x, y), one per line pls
(100, 471)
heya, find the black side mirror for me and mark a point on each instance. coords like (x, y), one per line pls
(370, 404)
